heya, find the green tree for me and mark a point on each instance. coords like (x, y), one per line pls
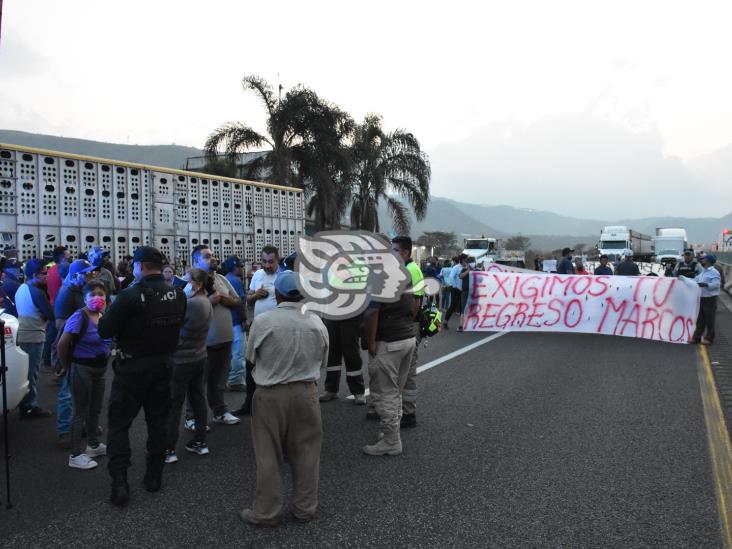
(384, 164)
(518, 243)
(442, 242)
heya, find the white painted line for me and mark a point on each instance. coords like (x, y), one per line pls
(467, 348)
(450, 356)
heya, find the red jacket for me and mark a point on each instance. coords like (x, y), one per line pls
(53, 282)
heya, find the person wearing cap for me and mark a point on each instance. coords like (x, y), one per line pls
(234, 268)
(34, 314)
(70, 299)
(627, 267)
(287, 348)
(145, 320)
(603, 268)
(709, 282)
(689, 267)
(96, 256)
(565, 265)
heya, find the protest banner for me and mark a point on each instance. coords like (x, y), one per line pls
(657, 308)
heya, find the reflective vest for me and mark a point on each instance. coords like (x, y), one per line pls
(687, 269)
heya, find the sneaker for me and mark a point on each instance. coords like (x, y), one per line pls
(328, 396)
(98, 450)
(359, 400)
(197, 447)
(35, 412)
(82, 461)
(236, 387)
(190, 425)
(247, 515)
(227, 419)
(170, 456)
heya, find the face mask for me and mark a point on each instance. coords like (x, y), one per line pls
(189, 291)
(96, 303)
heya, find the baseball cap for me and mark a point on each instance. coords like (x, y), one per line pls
(95, 255)
(33, 266)
(688, 251)
(232, 262)
(80, 266)
(286, 284)
(711, 258)
(148, 254)
(565, 251)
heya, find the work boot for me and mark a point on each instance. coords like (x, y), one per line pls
(154, 473)
(120, 489)
(388, 445)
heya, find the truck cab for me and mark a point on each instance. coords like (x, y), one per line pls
(483, 249)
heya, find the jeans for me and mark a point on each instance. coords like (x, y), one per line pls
(64, 406)
(87, 392)
(236, 371)
(187, 379)
(35, 356)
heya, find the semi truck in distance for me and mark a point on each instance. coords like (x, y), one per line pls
(618, 240)
(669, 244)
(492, 250)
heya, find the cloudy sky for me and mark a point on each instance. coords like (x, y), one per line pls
(531, 104)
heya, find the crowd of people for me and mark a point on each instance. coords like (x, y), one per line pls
(178, 341)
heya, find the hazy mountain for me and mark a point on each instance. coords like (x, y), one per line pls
(170, 156)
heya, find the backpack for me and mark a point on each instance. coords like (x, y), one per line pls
(430, 320)
(56, 365)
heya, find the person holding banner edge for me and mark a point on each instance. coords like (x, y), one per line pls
(709, 282)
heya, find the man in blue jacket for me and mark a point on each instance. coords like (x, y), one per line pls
(34, 314)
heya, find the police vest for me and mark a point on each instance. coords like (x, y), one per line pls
(687, 269)
(417, 278)
(163, 313)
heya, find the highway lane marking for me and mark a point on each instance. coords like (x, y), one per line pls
(720, 448)
(450, 356)
(463, 350)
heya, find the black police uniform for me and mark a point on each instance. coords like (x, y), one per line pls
(687, 269)
(145, 319)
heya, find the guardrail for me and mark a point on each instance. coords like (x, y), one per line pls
(724, 260)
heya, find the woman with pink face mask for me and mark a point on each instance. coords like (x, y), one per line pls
(84, 356)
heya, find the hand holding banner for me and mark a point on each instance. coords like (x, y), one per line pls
(657, 308)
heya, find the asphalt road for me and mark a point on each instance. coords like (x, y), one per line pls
(531, 440)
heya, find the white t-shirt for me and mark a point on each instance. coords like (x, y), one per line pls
(260, 279)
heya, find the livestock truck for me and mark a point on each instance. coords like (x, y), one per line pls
(617, 241)
(51, 198)
(669, 244)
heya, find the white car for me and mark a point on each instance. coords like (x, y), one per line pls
(17, 362)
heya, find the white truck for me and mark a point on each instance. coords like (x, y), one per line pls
(491, 250)
(669, 244)
(618, 240)
(17, 362)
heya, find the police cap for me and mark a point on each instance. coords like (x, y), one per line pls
(148, 254)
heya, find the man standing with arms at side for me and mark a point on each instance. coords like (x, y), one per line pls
(34, 314)
(402, 247)
(603, 268)
(234, 268)
(709, 282)
(287, 349)
(565, 265)
(145, 319)
(262, 295)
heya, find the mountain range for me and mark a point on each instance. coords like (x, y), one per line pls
(546, 230)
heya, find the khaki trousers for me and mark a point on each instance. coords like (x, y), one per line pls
(409, 395)
(388, 372)
(286, 417)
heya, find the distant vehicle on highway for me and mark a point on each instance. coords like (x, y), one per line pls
(17, 361)
(669, 244)
(618, 240)
(491, 250)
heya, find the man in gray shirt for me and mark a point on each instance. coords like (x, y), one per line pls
(288, 347)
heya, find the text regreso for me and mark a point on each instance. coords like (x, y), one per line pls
(658, 308)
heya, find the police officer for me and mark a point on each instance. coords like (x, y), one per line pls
(689, 267)
(145, 319)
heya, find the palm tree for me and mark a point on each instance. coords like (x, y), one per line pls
(307, 138)
(384, 164)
